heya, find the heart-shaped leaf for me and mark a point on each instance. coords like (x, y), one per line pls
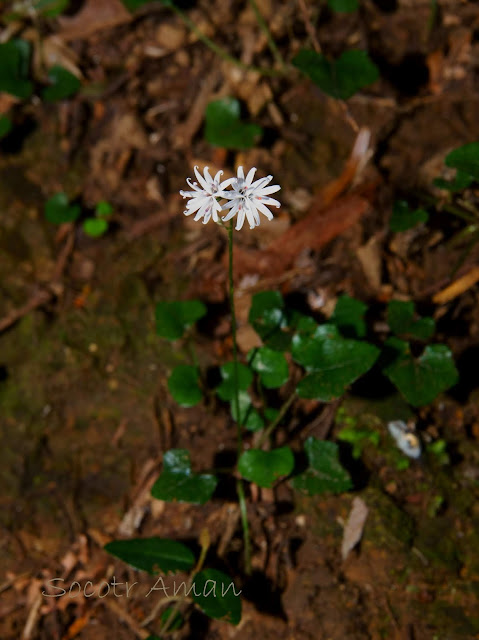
(250, 417)
(226, 390)
(265, 467)
(214, 592)
(268, 318)
(224, 127)
(59, 210)
(404, 218)
(348, 316)
(270, 365)
(420, 380)
(465, 159)
(334, 361)
(152, 554)
(95, 227)
(63, 84)
(177, 482)
(173, 318)
(14, 68)
(400, 316)
(183, 385)
(324, 473)
(341, 78)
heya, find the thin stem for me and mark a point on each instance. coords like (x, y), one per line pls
(245, 524)
(271, 43)
(219, 50)
(235, 344)
(269, 430)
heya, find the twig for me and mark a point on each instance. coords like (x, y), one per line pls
(309, 27)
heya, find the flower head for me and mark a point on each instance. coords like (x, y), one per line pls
(248, 198)
(203, 200)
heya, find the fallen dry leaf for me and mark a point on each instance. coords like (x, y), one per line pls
(353, 529)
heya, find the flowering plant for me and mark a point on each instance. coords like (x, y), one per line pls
(245, 199)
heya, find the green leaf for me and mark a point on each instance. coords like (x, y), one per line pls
(152, 554)
(421, 380)
(465, 159)
(341, 78)
(173, 318)
(270, 365)
(51, 8)
(358, 438)
(177, 621)
(215, 594)
(348, 316)
(224, 127)
(5, 126)
(400, 317)
(133, 5)
(324, 473)
(14, 68)
(183, 385)
(343, 6)
(404, 218)
(59, 210)
(458, 183)
(265, 467)
(250, 417)
(226, 389)
(177, 482)
(103, 209)
(95, 227)
(63, 84)
(268, 318)
(334, 361)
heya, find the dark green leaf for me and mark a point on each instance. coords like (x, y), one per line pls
(465, 159)
(348, 316)
(133, 5)
(226, 389)
(5, 126)
(400, 317)
(421, 380)
(103, 209)
(270, 365)
(214, 592)
(458, 183)
(250, 418)
(63, 84)
(343, 6)
(224, 127)
(341, 78)
(404, 218)
(14, 68)
(183, 385)
(334, 361)
(59, 210)
(95, 227)
(269, 319)
(51, 8)
(324, 473)
(177, 482)
(265, 467)
(173, 318)
(177, 621)
(152, 554)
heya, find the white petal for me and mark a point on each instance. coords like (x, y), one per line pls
(264, 191)
(201, 180)
(264, 210)
(229, 205)
(218, 176)
(250, 176)
(240, 218)
(262, 182)
(240, 173)
(232, 213)
(269, 202)
(252, 215)
(193, 185)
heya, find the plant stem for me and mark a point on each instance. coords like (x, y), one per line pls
(269, 430)
(271, 43)
(245, 524)
(239, 483)
(219, 50)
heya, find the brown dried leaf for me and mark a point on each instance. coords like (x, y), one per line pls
(353, 529)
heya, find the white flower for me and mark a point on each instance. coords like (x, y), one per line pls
(248, 197)
(203, 199)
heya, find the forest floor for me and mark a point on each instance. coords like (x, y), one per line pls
(85, 410)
